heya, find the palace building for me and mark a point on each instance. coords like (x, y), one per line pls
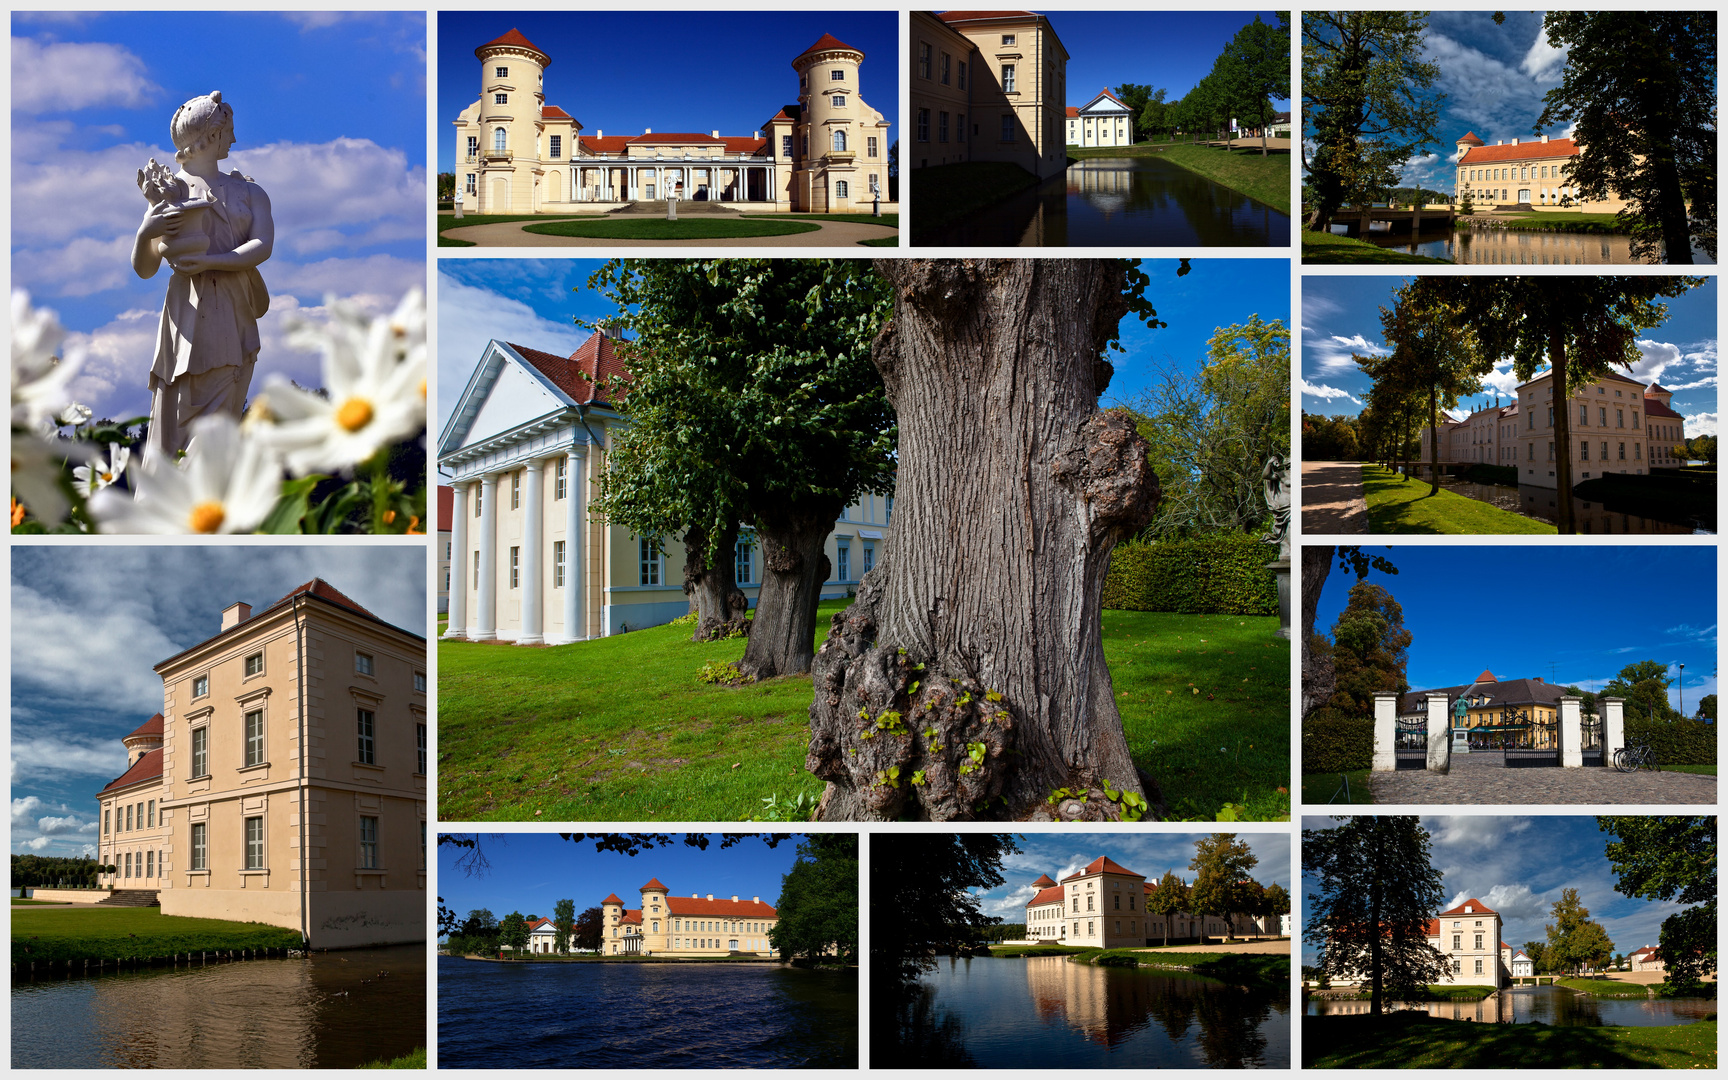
(1103, 121)
(988, 86)
(525, 450)
(688, 926)
(827, 153)
(284, 780)
(1532, 174)
(1103, 905)
(1469, 936)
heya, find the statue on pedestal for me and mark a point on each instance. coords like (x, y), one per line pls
(213, 231)
(1276, 478)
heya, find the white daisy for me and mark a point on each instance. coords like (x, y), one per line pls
(39, 377)
(375, 376)
(226, 484)
(87, 480)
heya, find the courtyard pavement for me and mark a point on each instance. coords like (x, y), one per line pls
(511, 234)
(1482, 780)
(1332, 499)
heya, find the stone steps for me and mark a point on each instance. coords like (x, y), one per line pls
(131, 898)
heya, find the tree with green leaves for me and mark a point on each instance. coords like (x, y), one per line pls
(1368, 103)
(949, 690)
(1255, 69)
(1376, 890)
(818, 906)
(1673, 860)
(1579, 328)
(1575, 942)
(1319, 669)
(1643, 685)
(751, 399)
(563, 924)
(1222, 865)
(1168, 899)
(1154, 116)
(1134, 96)
(1537, 951)
(589, 929)
(1370, 649)
(1706, 708)
(1277, 900)
(1640, 86)
(513, 932)
(931, 881)
(1433, 360)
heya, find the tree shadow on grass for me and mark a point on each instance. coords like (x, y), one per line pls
(1417, 1040)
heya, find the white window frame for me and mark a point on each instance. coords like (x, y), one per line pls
(420, 745)
(648, 561)
(254, 737)
(515, 566)
(249, 669)
(1010, 79)
(837, 101)
(368, 836)
(255, 843)
(561, 480)
(200, 751)
(363, 664)
(200, 686)
(200, 845)
(557, 564)
(366, 737)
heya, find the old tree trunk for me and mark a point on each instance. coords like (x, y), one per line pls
(794, 566)
(719, 604)
(968, 680)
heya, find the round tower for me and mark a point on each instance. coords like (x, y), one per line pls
(512, 89)
(146, 738)
(655, 916)
(831, 123)
(612, 918)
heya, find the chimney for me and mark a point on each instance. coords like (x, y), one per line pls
(1499, 142)
(734, 898)
(757, 134)
(235, 614)
(1544, 140)
(1514, 142)
(599, 133)
(647, 131)
(715, 133)
(1538, 678)
(755, 899)
(710, 896)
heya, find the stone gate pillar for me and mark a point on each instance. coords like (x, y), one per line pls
(1571, 732)
(1613, 726)
(1439, 738)
(1385, 732)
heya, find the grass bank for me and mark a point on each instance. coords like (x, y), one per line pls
(1015, 951)
(19, 901)
(943, 194)
(1554, 221)
(620, 729)
(1433, 993)
(1318, 789)
(1401, 504)
(1266, 179)
(1407, 1040)
(1269, 969)
(413, 1060)
(1332, 249)
(1607, 988)
(1696, 770)
(100, 933)
(700, 227)
(881, 241)
(1664, 494)
(891, 221)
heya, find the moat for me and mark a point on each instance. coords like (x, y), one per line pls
(1555, 1006)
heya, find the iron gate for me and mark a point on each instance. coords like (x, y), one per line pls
(1531, 741)
(1592, 740)
(1410, 749)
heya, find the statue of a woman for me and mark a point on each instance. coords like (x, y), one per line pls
(213, 230)
(1275, 476)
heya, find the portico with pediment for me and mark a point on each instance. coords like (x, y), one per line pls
(1103, 121)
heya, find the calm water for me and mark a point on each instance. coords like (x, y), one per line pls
(645, 1016)
(270, 1014)
(1045, 1012)
(1552, 1005)
(1116, 202)
(1588, 516)
(1516, 247)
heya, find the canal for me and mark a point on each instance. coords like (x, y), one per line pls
(335, 1010)
(1120, 202)
(1589, 516)
(1555, 1006)
(1047, 1012)
(684, 1015)
(1517, 247)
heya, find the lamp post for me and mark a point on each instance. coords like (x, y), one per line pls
(1682, 691)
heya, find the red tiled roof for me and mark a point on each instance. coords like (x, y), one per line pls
(632, 916)
(613, 899)
(1488, 155)
(1644, 953)
(605, 144)
(1103, 865)
(537, 924)
(511, 37)
(743, 144)
(1043, 881)
(782, 115)
(323, 590)
(738, 909)
(152, 726)
(1470, 137)
(1479, 909)
(446, 506)
(1046, 896)
(675, 137)
(1434, 928)
(1653, 407)
(1486, 676)
(968, 16)
(653, 883)
(585, 374)
(826, 42)
(1503, 945)
(1073, 111)
(553, 112)
(1658, 388)
(1111, 96)
(148, 767)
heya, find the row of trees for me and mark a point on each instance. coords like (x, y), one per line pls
(31, 871)
(1246, 78)
(1639, 86)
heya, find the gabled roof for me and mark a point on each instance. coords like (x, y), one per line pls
(585, 375)
(1477, 906)
(1503, 945)
(1052, 895)
(1519, 955)
(512, 37)
(1523, 151)
(553, 112)
(538, 923)
(613, 899)
(1653, 407)
(632, 916)
(152, 726)
(1100, 96)
(1658, 388)
(826, 43)
(1073, 111)
(317, 589)
(148, 767)
(653, 883)
(1486, 677)
(1102, 865)
(737, 909)
(1500, 692)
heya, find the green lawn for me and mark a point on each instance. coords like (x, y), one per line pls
(882, 241)
(1016, 951)
(1400, 504)
(1607, 988)
(700, 227)
(1407, 1040)
(891, 221)
(122, 933)
(1242, 169)
(19, 901)
(1318, 789)
(943, 194)
(1698, 770)
(619, 728)
(1435, 992)
(414, 1060)
(1333, 249)
(1565, 221)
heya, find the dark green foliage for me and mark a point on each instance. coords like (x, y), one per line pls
(1672, 859)
(819, 900)
(513, 932)
(50, 870)
(1215, 575)
(1370, 649)
(590, 927)
(563, 923)
(1575, 941)
(1330, 438)
(1335, 742)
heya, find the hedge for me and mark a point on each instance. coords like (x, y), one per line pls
(1333, 742)
(1682, 742)
(1214, 575)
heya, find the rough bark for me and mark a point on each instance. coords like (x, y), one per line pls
(1319, 678)
(1433, 440)
(1563, 519)
(719, 604)
(794, 566)
(968, 680)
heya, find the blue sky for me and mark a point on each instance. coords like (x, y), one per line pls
(530, 302)
(1341, 317)
(89, 623)
(1166, 50)
(1518, 867)
(1149, 853)
(1673, 622)
(339, 147)
(735, 67)
(531, 872)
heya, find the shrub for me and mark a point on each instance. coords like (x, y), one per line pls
(1680, 742)
(1335, 742)
(1224, 574)
(724, 672)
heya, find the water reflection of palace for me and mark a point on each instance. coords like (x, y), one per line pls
(1592, 517)
(1494, 1009)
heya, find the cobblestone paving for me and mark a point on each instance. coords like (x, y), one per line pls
(1481, 779)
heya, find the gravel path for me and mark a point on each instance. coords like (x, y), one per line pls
(1332, 499)
(1481, 779)
(510, 234)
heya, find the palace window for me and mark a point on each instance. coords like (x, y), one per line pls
(366, 749)
(1586, 447)
(151, 811)
(128, 817)
(923, 125)
(255, 737)
(200, 846)
(1584, 414)
(420, 676)
(944, 69)
(498, 140)
(870, 147)
(1619, 417)
(844, 562)
(1008, 78)
(785, 146)
(555, 146)
(420, 744)
(1638, 451)
(476, 569)
(839, 74)
(1007, 39)
(648, 557)
(515, 490)
(869, 557)
(149, 864)
(501, 73)
(1634, 421)
(838, 101)
(560, 478)
(515, 567)
(471, 182)
(254, 843)
(500, 99)
(1118, 905)
(1478, 967)
(1008, 128)
(941, 127)
(1604, 416)
(255, 665)
(200, 686)
(923, 60)
(839, 139)
(1478, 941)
(1089, 904)
(200, 752)
(557, 564)
(368, 843)
(1622, 451)
(961, 82)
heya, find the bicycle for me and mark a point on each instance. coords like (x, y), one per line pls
(1635, 756)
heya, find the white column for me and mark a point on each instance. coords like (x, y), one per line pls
(486, 618)
(1613, 726)
(1385, 732)
(533, 566)
(1571, 732)
(460, 563)
(1439, 743)
(573, 526)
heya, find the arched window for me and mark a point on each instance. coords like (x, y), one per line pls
(498, 137)
(840, 138)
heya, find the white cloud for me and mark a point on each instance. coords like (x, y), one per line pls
(1700, 424)
(317, 187)
(61, 649)
(24, 809)
(63, 76)
(59, 826)
(75, 756)
(1543, 62)
(37, 844)
(1474, 832)
(469, 317)
(1332, 354)
(1326, 393)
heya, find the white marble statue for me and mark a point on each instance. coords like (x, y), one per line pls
(213, 230)
(1275, 476)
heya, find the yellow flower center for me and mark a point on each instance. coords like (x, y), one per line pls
(354, 414)
(207, 517)
(422, 388)
(107, 477)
